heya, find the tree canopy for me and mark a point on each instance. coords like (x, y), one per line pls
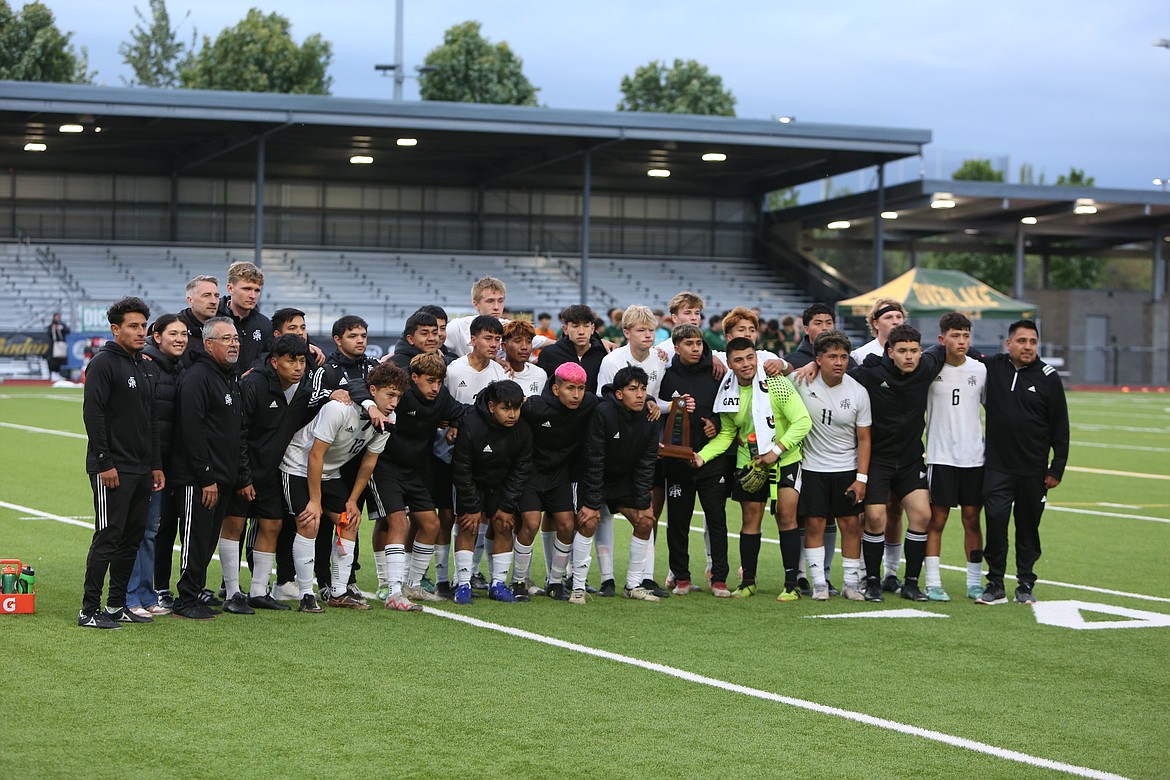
(977, 170)
(33, 49)
(686, 87)
(468, 68)
(154, 52)
(259, 55)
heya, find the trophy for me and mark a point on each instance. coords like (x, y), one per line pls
(676, 434)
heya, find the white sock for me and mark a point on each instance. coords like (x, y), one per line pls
(603, 544)
(229, 561)
(637, 562)
(974, 574)
(893, 559)
(560, 560)
(419, 562)
(342, 563)
(580, 560)
(816, 564)
(463, 560)
(852, 569)
(523, 561)
(933, 575)
(395, 567)
(304, 551)
(547, 542)
(648, 565)
(442, 563)
(380, 565)
(261, 570)
(500, 564)
(480, 539)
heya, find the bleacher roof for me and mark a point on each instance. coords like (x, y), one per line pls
(195, 132)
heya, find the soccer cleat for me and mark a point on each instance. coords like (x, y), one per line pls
(124, 615)
(207, 598)
(96, 619)
(520, 591)
(416, 593)
(400, 603)
(607, 589)
(383, 592)
(324, 593)
(166, 599)
(499, 591)
(557, 591)
(267, 602)
(681, 587)
(873, 589)
(804, 586)
(655, 588)
(353, 590)
(820, 592)
(639, 593)
(719, 590)
(348, 601)
(533, 588)
(936, 593)
(577, 597)
(309, 604)
(992, 594)
(891, 585)
(670, 580)
(911, 591)
(238, 605)
(479, 582)
(286, 591)
(833, 589)
(427, 584)
(1024, 595)
(789, 594)
(194, 611)
(445, 590)
(744, 591)
(974, 591)
(852, 593)
(462, 594)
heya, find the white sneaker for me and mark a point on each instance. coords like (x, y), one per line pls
(416, 593)
(577, 597)
(820, 592)
(849, 592)
(639, 594)
(287, 591)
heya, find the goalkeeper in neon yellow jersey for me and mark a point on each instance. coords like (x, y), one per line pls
(749, 402)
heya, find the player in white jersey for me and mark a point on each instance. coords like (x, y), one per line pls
(518, 335)
(954, 454)
(836, 463)
(487, 296)
(311, 477)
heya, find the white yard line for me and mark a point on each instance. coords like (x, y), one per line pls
(46, 396)
(1112, 473)
(49, 431)
(1134, 447)
(1098, 513)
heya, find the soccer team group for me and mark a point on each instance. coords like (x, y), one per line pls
(230, 432)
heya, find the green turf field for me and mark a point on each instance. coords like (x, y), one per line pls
(690, 687)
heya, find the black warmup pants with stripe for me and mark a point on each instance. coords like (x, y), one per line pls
(682, 485)
(199, 531)
(119, 524)
(1000, 492)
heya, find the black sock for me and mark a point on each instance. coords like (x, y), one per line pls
(915, 551)
(749, 556)
(790, 554)
(873, 550)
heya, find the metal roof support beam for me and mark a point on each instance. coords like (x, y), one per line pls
(586, 186)
(879, 234)
(1159, 264)
(261, 142)
(1019, 293)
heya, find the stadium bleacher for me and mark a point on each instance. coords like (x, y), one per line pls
(37, 279)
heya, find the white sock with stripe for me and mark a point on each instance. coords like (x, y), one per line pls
(395, 567)
(229, 561)
(304, 552)
(342, 563)
(261, 569)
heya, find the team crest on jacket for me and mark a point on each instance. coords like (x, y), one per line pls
(132, 383)
(256, 336)
(227, 398)
(972, 381)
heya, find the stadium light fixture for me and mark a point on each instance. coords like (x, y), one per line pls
(1085, 206)
(361, 159)
(1028, 221)
(840, 224)
(97, 129)
(35, 147)
(786, 120)
(889, 215)
(943, 200)
(658, 173)
(71, 129)
(714, 157)
(407, 142)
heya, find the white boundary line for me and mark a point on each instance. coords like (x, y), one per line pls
(50, 431)
(1112, 473)
(857, 717)
(1095, 513)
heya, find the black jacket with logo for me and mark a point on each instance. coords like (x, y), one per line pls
(558, 436)
(207, 426)
(1027, 416)
(254, 329)
(194, 337)
(898, 405)
(167, 373)
(621, 450)
(342, 373)
(564, 351)
(268, 422)
(697, 382)
(415, 422)
(490, 457)
(120, 413)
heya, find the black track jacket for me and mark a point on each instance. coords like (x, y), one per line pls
(490, 458)
(207, 427)
(119, 410)
(558, 436)
(621, 450)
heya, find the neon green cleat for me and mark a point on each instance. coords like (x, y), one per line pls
(744, 591)
(789, 594)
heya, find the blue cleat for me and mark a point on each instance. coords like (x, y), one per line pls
(463, 594)
(499, 591)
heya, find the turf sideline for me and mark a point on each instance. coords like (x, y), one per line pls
(858, 717)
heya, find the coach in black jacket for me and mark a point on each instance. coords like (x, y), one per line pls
(689, 375)
(122, 460)
(206, 457)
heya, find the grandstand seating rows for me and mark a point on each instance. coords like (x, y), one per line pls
(383, 287)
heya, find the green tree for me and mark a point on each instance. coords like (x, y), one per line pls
(154, 52)
(468, 68)
(682, 88)
(1076, 178)
(1075, 273)
(782, 199)
(33, 49)
(993, 268)
(977, 170)
(259, 55)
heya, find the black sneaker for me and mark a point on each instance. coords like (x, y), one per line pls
(607, 590)
(873, 589)
(655, 588)
(238, 605)
(891, 585)
(96, 619)
(445, 590)
(804, 586)
(520, 591)
(309, 604)
(1024, 595)
(194, 611)
(123, 615)
(911, 591)
(992, 594)
(266, 602)
(166, 599)
(478, 582)
(833, 589)
(556, 591)
(208, 599)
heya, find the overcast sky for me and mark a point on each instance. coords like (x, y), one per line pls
(1054, 83)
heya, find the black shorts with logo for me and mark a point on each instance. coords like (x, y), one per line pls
(267, 505)
(789, 477)
(901, 481)
(334, 494)
(551, 498)
(952, 486)
(400, 489)
(823, 494)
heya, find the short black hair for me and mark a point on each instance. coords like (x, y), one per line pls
(504, 392)
(159, 325)
(739, 344)
(544, 315)
(282, 317)
(438, 312)
(629, 375)
(714, 320)
(830, 339)
(1029, 324)
(578, 314)
(289, 344)
(348, 322)
(420, 319)
(953, 320)
(117, 313)
(902, 333)
(815, 309)
(486, 322)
